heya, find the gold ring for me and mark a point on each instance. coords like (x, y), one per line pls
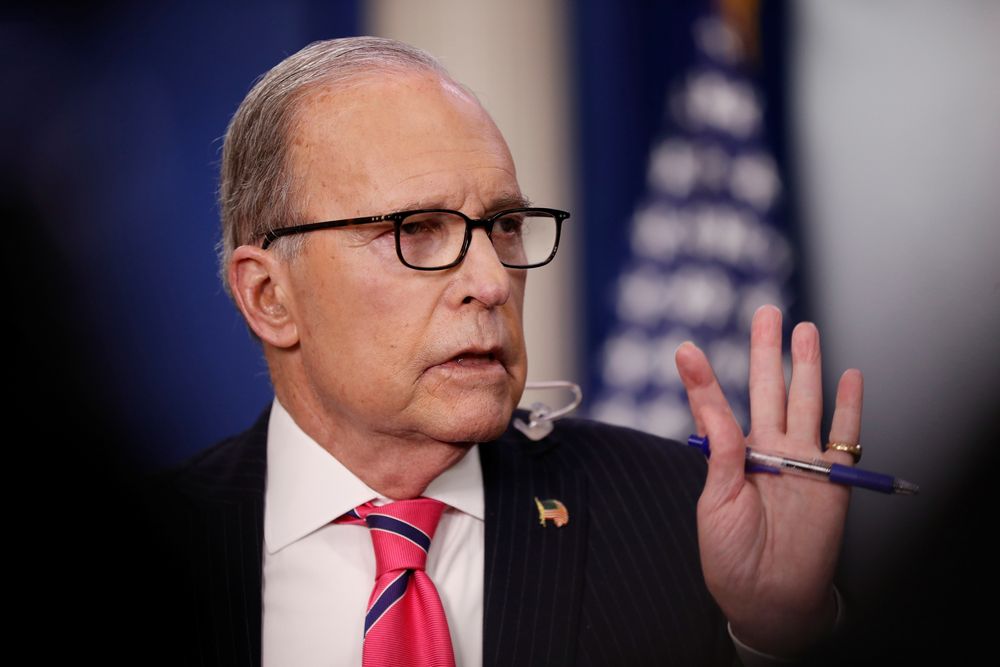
(853, 449)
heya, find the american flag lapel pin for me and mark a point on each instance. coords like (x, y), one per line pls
(552, 509)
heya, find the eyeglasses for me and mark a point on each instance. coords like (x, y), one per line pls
(436, 239)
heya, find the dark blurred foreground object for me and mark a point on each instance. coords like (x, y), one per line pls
(936, 606)
(75, 549)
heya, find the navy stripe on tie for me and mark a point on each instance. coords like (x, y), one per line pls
(392, 594)
(353, 513)
(399, 527)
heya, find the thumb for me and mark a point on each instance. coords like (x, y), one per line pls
(726, 466)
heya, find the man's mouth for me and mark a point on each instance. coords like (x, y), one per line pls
(473, 358)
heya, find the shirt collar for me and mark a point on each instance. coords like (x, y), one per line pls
(307, 487)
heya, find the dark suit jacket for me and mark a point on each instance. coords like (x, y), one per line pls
(620, 584)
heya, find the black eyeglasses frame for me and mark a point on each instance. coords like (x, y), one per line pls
(398, 218)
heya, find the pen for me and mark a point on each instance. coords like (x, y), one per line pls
(818, 469)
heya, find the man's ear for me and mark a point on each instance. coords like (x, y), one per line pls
(258, 280)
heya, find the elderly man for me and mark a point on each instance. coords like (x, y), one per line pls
(376, 240)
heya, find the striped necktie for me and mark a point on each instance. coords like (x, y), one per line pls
(405, 625)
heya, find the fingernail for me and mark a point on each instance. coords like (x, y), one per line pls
(769, 306)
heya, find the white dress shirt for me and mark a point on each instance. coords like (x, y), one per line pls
(318, 576)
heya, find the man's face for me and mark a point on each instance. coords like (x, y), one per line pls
(388, 349)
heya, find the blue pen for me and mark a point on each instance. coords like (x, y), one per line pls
(817, 468)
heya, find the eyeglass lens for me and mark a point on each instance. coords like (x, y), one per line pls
(434, 239)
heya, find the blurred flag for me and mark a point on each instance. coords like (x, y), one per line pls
(552, 510)
(705, 252)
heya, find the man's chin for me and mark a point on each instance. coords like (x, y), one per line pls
(462, 424)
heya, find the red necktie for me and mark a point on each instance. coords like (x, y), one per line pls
(405, 625)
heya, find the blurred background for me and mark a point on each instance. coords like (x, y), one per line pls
(837, 159)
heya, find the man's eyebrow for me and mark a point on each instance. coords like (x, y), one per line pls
(504, 201)
(509, 201)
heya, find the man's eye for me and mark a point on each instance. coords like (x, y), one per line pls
(423, 226)
(412, 228)
(510, 226)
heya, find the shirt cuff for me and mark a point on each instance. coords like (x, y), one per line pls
(751, 657)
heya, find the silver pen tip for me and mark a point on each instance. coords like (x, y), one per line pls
(904, 487)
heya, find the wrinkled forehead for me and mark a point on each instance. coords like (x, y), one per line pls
(396, 136)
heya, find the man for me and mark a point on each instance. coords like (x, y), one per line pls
(392, 332)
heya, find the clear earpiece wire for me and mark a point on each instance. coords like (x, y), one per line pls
(540, 419)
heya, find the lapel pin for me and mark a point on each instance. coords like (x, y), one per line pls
(553, 510)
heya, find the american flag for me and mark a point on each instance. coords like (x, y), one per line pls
(552, 510)
(705, 252)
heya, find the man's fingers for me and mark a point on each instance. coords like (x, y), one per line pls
(846, 423)
(767, 377)
(703, 389)
(805, 395)
(714, 418)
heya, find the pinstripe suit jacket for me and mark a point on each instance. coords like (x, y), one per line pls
(620, 584)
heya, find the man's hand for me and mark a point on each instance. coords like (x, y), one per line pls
(769, 543)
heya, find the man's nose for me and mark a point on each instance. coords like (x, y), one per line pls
(483, 277)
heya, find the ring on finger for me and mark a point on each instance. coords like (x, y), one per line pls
(854, 449)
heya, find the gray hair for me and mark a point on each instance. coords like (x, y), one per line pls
(255, 186)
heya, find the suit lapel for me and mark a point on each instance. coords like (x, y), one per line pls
(237, 599)
(534, 573)
(230, 516)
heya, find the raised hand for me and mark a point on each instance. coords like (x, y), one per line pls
(769, 544)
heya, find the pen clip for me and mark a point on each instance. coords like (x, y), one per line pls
(759, 467)
(701, 442)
